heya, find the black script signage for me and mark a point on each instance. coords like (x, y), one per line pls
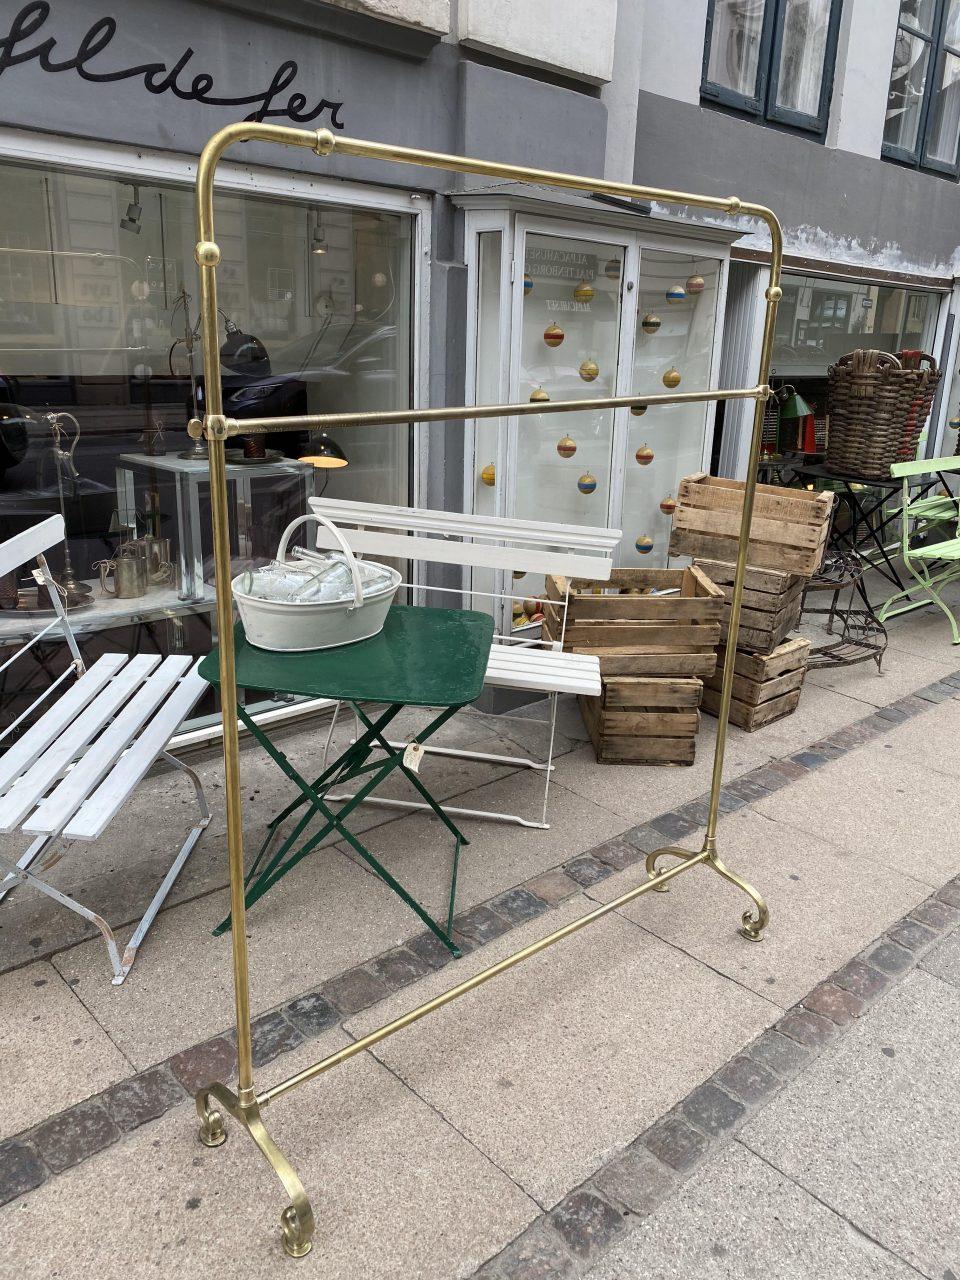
(91, 61)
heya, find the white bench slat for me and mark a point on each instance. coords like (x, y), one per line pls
(479, 554)
(61, 803)
(458, 525)
(29, 544)
(30, 786)
(549, 671)
(53, 722)
(104, 803)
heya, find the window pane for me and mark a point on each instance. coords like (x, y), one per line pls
(951, 27)
(802, 55)
(735, 45)
(918, 14)
(942, 133)
(907, 79)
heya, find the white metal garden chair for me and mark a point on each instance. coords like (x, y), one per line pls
(934, 565)
(493, 543)
(73, 769)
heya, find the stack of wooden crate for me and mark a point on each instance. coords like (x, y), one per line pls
(655, 632)
(788, 535)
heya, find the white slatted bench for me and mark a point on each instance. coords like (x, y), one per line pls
(70, 773)
(492, 543)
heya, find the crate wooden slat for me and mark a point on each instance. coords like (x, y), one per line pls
(766, 687)
(750, 718)
(772, 602)
(643, 720)
(788, 530)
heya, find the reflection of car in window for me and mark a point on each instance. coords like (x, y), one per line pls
(14, 439)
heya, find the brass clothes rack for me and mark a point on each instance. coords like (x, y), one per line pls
(246, 1104)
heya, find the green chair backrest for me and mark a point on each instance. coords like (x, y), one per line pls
(923, 465)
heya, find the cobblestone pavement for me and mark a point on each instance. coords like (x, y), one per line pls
(655, 1097)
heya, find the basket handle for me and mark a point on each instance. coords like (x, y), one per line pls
(914, 360)
(345, 547)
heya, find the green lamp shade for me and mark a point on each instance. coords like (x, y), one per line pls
(795, 407)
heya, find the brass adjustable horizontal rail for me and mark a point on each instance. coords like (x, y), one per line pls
(220, 427)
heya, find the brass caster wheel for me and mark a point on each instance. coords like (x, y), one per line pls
(295, 1244)
(212, 1132)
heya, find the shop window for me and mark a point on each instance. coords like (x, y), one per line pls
(98, 321)
(923, 110)
(772, 58)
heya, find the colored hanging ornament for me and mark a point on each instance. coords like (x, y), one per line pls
(954, 423)
(587, 483)
(696, 284)
(671, 378)
(644, 455)
(589, 370)
(650, 323)
(489, 475)
(379, 279)
(538, 396)
(518, 574)
(612, 269)
(583, 292)
(644, 545)
(676, 293)
(553, 335)
(566, 447)
(638, 410)
(530, 607)
(669, 505)
(527, 282)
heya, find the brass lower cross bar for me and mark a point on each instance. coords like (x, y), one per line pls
(245, 1105)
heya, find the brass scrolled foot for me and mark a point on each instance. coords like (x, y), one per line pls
(651, 864)
(752, 924)
(296, 1243)
(212, 1131)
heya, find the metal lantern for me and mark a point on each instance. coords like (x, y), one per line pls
(650, 323)
(553, 335)
(489, 475)
(644, 455)
(796, 432)
(676, 293)
(644, 545)
(589, 370)
(671, 378)
(538, 396)
(566, 447)
(583, 292)
(587, 483)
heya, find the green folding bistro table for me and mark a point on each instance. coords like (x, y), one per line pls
(422, 658)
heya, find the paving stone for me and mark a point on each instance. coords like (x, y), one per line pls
(830, 749)
(730, 802)
(618, 854)
(811, 759)
(311, 1014)
(936, 915)
(646, 838)
(806, 1028)
(481, 924)
(944, 960)
(913, 705)
(788, 768)
(893, 713)
(205, 1063)
(354, 990)
(586, 1223)
(779, 1053)
(862, 979)
(889, 957)
(675, 1142)
(748, 789)
(21, 1170)
(912, 934)
(950, 893)
(936, 692)
(746, 1079)
(272, 1034)
(587, 870)
(74, 1135)
(553, 886)
(674, 825)
(711, 1109)
(535, 1255)
(834, 1003)
(428, 948)
(398, 968)
(697, 811)
(131, 1103)
(769, 777)
(519, 905)
(636, 1179)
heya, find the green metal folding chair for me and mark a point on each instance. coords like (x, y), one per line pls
(933, 565)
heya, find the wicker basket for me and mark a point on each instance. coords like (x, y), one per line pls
(878, 406)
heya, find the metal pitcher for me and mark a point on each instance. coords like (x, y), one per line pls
(131, 576)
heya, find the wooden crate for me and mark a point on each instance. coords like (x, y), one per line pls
(640, 634)
(766, 687)
(788, 531)
(642, 720)
(771, 605)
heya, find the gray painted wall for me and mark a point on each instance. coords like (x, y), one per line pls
(835, 206)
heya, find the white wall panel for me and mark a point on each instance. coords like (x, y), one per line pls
(575, 37)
